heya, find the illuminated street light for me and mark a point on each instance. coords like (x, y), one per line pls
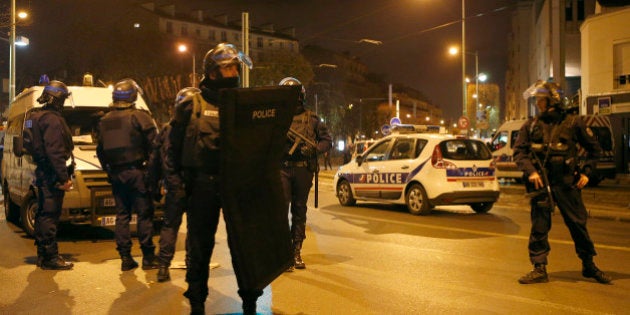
(182, 48)
(12, 44)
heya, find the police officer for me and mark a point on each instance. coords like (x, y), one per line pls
(50, 143)
(196, 121)
(299, 165)
(175, 198)
(125, 138)
(547, 145)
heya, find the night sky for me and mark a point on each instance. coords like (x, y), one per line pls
(415, 35)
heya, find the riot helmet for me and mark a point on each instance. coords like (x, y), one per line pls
(223, 55)
(549, 90)
(125, 93)
(302, 99)
(185, 94)
(54, 94)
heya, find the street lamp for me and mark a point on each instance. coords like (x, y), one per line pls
(12, 43)
(478, 76)
(182, 48)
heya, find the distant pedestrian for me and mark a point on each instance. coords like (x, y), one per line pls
(327, 163)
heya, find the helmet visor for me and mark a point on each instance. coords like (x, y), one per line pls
(229, 56)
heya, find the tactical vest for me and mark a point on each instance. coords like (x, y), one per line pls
(558, 151)
(122, 143)
(201, 142)
(33, 141)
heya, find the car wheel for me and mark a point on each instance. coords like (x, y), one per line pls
(27, 214)
(344, 194)
(417, 202)
(482, 207)
(11, 210)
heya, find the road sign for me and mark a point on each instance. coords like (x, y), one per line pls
(386, 129)
(394, 121)
(463, 122)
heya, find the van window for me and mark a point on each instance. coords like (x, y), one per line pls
(499, 141)
(603, 136)
(82, 122)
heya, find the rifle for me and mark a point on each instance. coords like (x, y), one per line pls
(297, 139)
(543, 174)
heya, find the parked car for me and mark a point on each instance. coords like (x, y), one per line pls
(421, 170)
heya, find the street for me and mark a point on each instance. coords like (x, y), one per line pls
(368, 259)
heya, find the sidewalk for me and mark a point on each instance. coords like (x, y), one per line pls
(609, 200)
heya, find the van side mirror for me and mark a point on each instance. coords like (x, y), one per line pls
(18, 146)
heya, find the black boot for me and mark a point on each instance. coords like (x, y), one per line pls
(197, 305)
(56, 263)
(150, 262)
(249, 307)
(589, 270)
(127, 263)
(298, 263)
(538, 275)
(163, 274)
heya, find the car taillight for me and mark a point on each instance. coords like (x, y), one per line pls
(438, 161)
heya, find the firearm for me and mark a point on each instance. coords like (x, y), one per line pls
(297, 139)
(543, 174)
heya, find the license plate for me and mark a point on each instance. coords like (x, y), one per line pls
(109, 202)
(473, 184)
(111, 220)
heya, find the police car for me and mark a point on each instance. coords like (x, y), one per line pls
(421, 170)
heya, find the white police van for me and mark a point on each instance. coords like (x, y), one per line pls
(90, 201)
(421, 170)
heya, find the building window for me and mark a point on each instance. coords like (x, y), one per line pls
(236, 36)
(198, 32)
(621, 65)
(169, 27)
(569, 10)
(223, 36)
(184, 30)
(259, 42)
(212, 35)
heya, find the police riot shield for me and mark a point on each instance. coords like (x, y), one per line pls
(254, 124)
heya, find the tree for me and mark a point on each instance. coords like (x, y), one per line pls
(274, 66)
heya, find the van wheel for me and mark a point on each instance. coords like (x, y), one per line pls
(344, 194)
(482, 207)
(417, 201)
(11, 210)
(27, 214)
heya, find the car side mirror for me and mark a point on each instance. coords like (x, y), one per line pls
(359, 159)
(18, 146)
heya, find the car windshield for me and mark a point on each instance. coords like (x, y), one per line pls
(82, 122)
(465, 149)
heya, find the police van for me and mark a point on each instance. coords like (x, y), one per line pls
(90, 201)
(502, 147)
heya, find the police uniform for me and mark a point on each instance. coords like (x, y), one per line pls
(53, 147)
(125, 142)
(174, 200)
(553, 137)
(297, 173)
(200, 169)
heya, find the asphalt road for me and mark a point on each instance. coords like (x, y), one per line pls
(369, 259)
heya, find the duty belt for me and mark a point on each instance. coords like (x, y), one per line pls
(295, 163)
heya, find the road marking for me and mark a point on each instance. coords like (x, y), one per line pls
(484, 233)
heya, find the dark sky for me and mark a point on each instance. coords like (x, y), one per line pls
(415, 36)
